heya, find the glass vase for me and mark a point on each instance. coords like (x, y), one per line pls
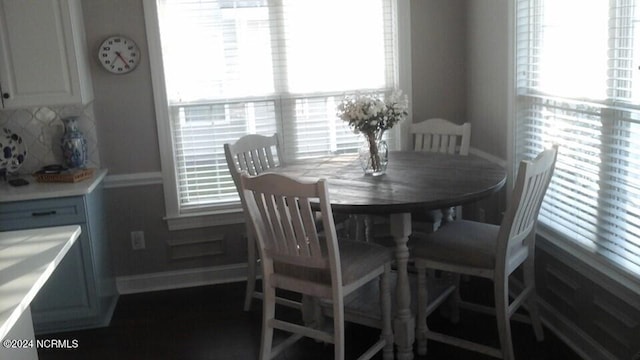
(374, 155)
(73, 144)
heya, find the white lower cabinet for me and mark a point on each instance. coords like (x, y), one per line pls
(81, 293)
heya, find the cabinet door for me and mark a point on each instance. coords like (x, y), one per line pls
(44, 57)
(68, 294)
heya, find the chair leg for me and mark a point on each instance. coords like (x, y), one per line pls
(532, 302)
(422, 310)
(357, 227)
(385, 302)
(501, 294)
(268, 314)
(454, 299)
(338, 328)
(368, 228)
(312, 312)
(251, 273)
(447, 215)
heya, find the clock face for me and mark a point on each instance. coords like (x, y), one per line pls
(119, 54)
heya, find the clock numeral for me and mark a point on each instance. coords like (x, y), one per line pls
(117, 40)
(106, 48)
(107, 62)
(104, 55)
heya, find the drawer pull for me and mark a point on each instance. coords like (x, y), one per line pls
(44, 213)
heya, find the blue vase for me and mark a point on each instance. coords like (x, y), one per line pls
(73, 144)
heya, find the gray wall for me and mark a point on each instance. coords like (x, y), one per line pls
(488, 81)
(439, 59)
(123, 104)
(487, 58)
(128, 136)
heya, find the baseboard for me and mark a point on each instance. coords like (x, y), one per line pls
(585, 346)
(489, 157)
(168, 280)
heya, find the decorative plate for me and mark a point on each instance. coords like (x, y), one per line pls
(13, 151)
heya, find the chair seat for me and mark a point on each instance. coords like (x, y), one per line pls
(357, 258)
(460, 242)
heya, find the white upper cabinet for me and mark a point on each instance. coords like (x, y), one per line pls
(44, 58)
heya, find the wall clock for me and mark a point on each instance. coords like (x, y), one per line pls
(119, 54)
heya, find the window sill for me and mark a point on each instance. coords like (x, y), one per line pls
(599, 269)
(201, 220)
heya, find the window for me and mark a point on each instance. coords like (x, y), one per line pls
(226, 68)
(578, 85)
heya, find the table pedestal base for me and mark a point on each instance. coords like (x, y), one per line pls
(404, 323)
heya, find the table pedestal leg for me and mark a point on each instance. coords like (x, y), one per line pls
(404, 323)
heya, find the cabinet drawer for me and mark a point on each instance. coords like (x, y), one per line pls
(41, 213)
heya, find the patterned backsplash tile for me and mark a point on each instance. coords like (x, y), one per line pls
(41, 129)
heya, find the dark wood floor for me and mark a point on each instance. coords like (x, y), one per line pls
(208, 323)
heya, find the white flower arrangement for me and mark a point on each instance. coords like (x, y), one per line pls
(370, 114)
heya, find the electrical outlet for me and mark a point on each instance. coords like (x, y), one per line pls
(137, 240)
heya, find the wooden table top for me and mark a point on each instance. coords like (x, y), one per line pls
(413, 181)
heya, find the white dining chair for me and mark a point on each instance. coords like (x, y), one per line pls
(441, 136)
(254, 154)
(493, 252)
(296, 258)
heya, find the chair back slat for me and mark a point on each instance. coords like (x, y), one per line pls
(274, 217)
(298, 228)
(451, 148)
(435, 143)
(252, 153)
(418, 142)
(517, 231)
(309, 235)
(283, 221)
(309, 222)
(280, 209)
(253, 161)
(439, 135)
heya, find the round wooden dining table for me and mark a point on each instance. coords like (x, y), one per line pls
(414, 181)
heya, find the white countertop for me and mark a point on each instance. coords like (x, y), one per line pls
(27, 259)
(40, 190)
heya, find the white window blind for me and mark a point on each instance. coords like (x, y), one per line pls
(235, 67)
(578, 85)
